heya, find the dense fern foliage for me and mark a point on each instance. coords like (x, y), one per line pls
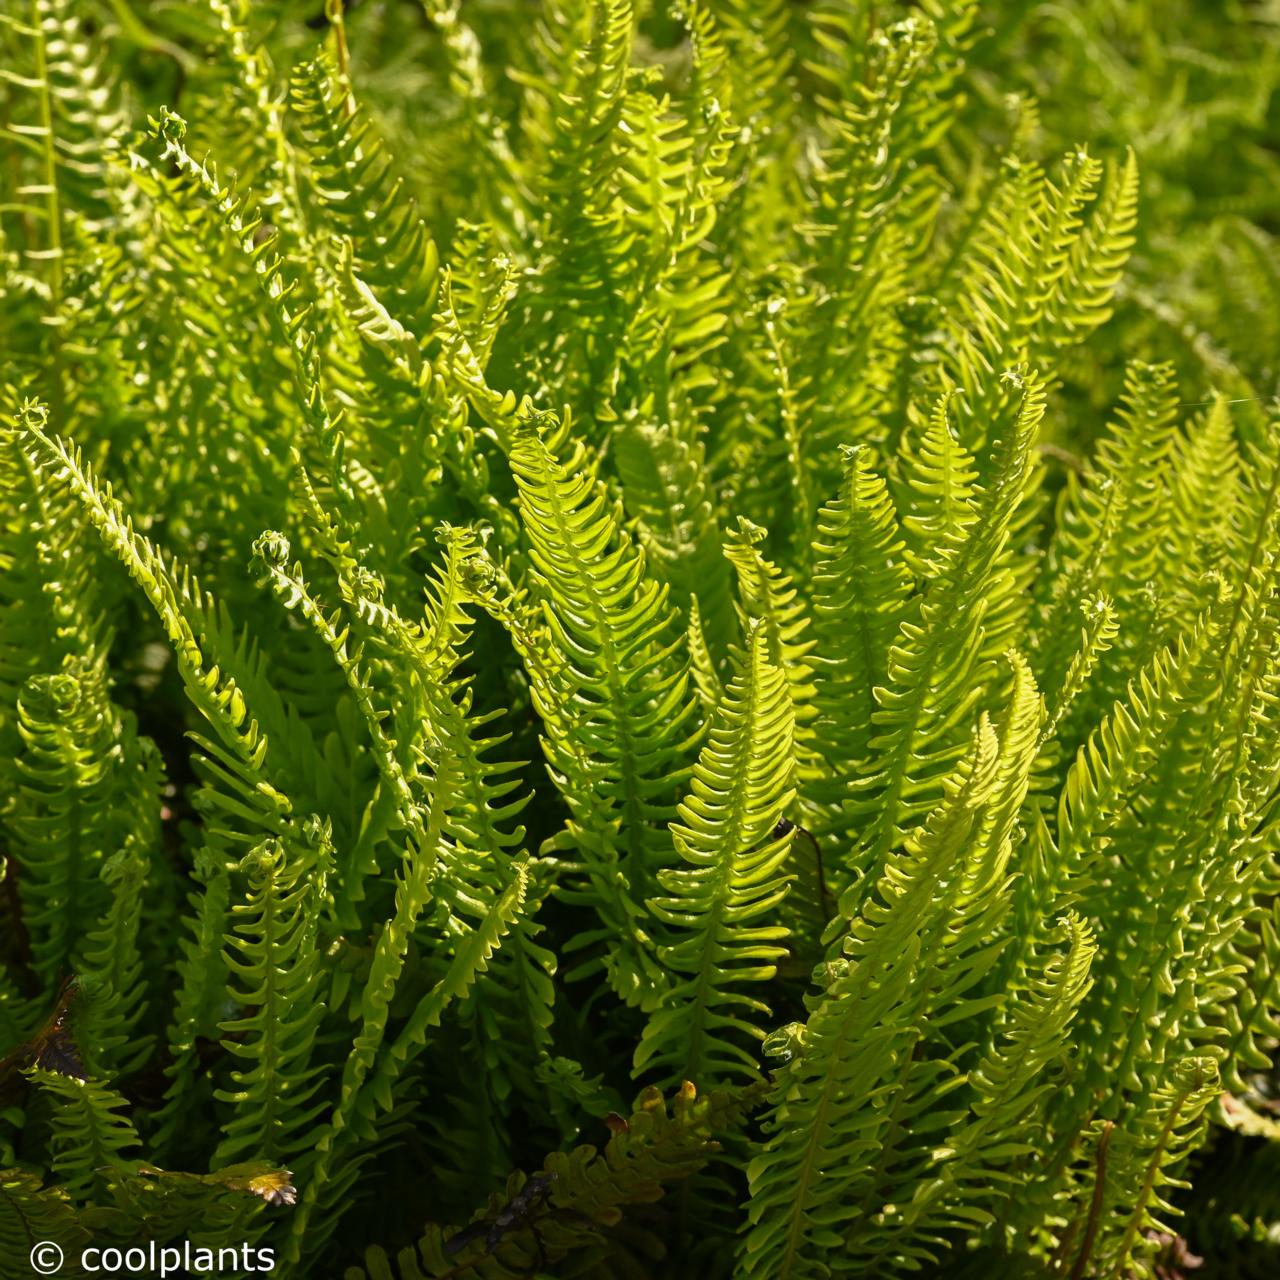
(640, 638)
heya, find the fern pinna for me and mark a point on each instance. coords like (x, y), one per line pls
(640, 638)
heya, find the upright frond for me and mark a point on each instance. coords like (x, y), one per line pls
(720, 912)
(616, 713)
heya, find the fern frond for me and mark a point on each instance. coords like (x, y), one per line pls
(936, 484)
(766, 593)
(664, 487)
(88, 1134)
(937, 662)
(355, 182)
(88, 785)
(236, 759)
(31, 1214)
(470, 960)
(578, 1198)
(245, 112)
(874, 192)
(1043, 269)
(861, 589)
(1143, 1160)
(1205, 490)
(572, 120)
(290, 323)
(1112, 527)
(272, 957)
(833, 1106)
(111, 972)
(722, 902)
(622, 695)
(64, 114)
(198, 1004)
(1011, 1087)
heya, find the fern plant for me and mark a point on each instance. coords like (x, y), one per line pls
(639, 638)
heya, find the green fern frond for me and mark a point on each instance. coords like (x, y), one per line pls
(622, 695)
(934, 667)
(1043, 269)
(236, 759)
(834, 1104)
(1114, 763)
(1143, 1161)
(665, 489)
(111, 971)
(768, 594)
(1011, 1087)
(578, 1199)
(861, 589)
(874, 192)
(936, 483)
(63, 117)
(88, 785)
(356, 187)
(88, 1133)
(1204, 487)
(1096, 634)
(756, 39)
(290, 323)
(572, 121)
(202, 975)
(723, 901)
(245, 112)
(471, 958)
(273, 959)
(31, 1214)
(1124, 490)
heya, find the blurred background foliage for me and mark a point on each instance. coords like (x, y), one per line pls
(1190, 85)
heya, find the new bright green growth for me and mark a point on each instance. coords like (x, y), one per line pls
(706, 550)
